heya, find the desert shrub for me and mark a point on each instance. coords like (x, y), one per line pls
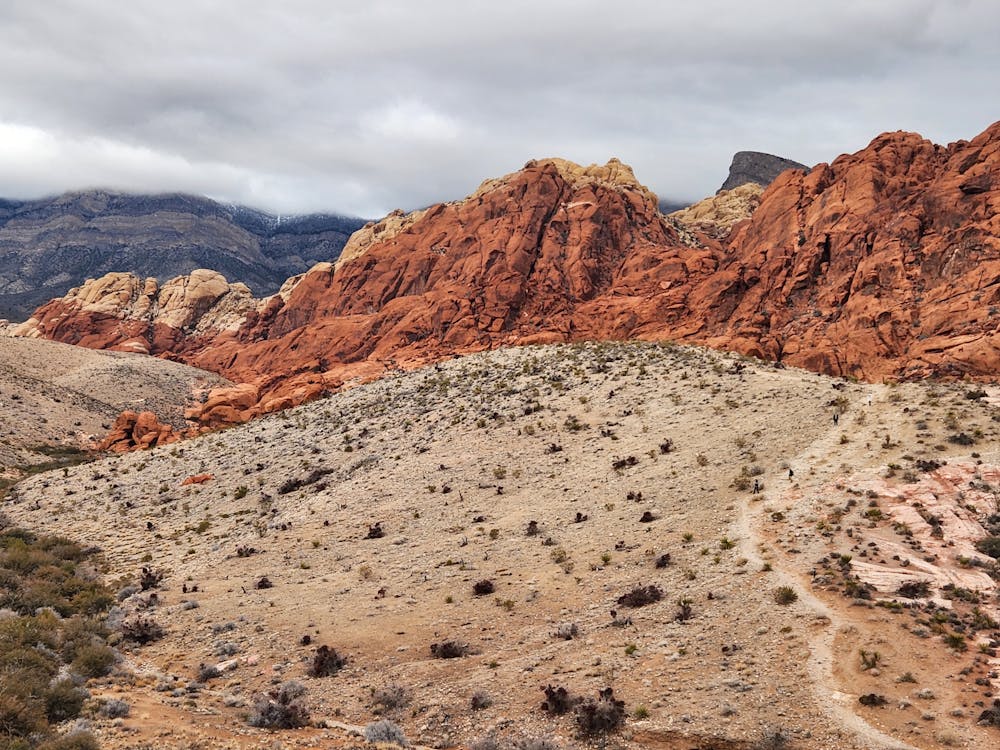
(480, 700)
(557, 700)
(600, 716)
(663, 560)
(449, 649)
(63, 701)
(141, 630)
(684, 611)
(326, 661)
(484, 587)
(279, 708)
(961, 438)
(772, 739)
(785, 595)
(486, 742)
(290, 485)
(115, 708)
(872, 699)
(78, 740)
(20, 716)
(391, 697)
(640, 596)
(208, 672)
(991, 716)
(567, 631)
(535, 743)
(384, 731)
(914, 589)
(990, 546)
(150, 579)
(94, 660)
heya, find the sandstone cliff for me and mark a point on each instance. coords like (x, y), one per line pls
(884, 263)
(718, 213)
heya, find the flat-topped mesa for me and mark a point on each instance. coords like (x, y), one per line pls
(757, 167)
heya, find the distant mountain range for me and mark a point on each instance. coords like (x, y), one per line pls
(51, 245)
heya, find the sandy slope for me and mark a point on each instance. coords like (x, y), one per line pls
(53, 393)
(454, 461)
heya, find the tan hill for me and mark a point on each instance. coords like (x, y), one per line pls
(567, 477)
(56, 399)
(718, 213)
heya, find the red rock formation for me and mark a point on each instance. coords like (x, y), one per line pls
(137, 430)
(197, 479)
(884, 263)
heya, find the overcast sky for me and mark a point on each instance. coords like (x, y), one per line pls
(361, 107)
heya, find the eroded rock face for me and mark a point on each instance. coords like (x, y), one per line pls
(881, 264)
(134, 430)
(884, 263)
(122, 312)
(718, 213)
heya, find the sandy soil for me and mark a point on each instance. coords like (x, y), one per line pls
(56, 394)
(454, 461)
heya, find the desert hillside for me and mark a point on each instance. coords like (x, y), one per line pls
(57, 399)
(574, 516)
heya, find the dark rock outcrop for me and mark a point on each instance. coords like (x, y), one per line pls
(758, 167)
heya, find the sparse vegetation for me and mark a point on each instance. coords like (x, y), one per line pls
(785, 595)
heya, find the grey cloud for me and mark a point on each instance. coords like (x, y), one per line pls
(363, 107)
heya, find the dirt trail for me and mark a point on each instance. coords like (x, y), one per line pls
(826, 623)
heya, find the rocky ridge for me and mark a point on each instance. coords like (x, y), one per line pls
(883, 264)
(717, 213)
(51, 245)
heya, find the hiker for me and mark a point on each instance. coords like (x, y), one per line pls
(756, 486)
(836, 417)
(790, 473)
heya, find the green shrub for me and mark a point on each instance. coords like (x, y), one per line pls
(63, 701)
(990, 546)
(72, 741)
(94, 661)
(785, 595)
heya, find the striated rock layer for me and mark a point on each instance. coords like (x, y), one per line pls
(883, 263)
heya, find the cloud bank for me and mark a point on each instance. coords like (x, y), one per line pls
(361, 108)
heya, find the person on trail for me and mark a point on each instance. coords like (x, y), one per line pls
(790, 473)
(836, 417)
(756, 486)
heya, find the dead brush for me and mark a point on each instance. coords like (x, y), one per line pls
(450, 650)
(600, 716)
(641, 596)
(326, 662)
